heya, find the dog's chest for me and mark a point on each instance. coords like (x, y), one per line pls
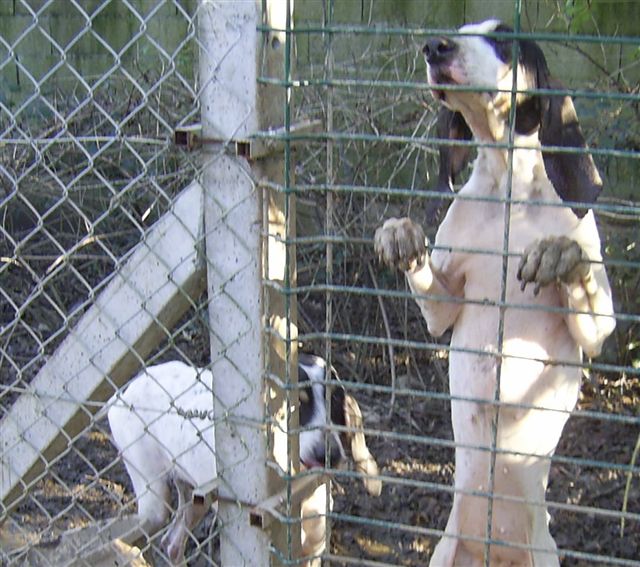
(478, 234)
(504, 213)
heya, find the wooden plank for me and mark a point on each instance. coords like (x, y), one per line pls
(129, 318)
(97, 544)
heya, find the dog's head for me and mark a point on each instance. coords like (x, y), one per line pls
(345, 412)
(480, 60)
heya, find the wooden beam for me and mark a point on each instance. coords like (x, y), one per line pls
(147, 296)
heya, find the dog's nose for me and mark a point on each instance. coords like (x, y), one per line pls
(439, 50)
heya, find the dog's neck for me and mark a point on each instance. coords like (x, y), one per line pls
(493, 163)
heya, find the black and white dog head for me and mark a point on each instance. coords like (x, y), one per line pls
(485, 65)
(312, 375)
(345, 412)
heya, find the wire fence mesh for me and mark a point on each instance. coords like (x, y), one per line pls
(93, 93)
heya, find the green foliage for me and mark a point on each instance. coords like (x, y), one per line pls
(577, 14)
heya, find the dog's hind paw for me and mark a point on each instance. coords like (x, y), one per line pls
(553, 259)
(401, 244)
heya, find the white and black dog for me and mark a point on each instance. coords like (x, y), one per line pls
(163, 427)
(510, 214)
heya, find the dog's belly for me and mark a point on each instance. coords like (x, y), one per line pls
(535, 344)
(536, 397)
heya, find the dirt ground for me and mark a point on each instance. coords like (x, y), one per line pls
(412, 448)
(415, 509)
(90, 484)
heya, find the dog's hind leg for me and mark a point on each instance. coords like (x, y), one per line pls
(187, 517)
(153, 508)
(448, 548)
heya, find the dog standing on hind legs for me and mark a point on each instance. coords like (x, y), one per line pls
(547, 326)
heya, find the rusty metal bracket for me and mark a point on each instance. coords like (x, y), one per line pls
(207, 493)
(189, 137)
(267, 143)
(263, 514)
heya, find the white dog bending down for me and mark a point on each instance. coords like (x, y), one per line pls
(546, 326)
(162, 426)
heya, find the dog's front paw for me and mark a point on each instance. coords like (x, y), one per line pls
(553, 259)
(400, 243)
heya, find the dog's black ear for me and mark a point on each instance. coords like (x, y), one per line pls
(337, 404)
(451, 126)
(531, 108)
(574, 175)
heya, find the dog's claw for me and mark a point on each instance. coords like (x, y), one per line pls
(553, 259)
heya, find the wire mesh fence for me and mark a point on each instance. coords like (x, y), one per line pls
(102, 273)
(92, 93)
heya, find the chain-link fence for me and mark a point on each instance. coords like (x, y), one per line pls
(91, 95)
(196, 181)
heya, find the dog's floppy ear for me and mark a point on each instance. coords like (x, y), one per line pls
(362, 458)
(451, 126)
(574, 175)
(531, 109)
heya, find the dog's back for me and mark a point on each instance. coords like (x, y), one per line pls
(161, 426)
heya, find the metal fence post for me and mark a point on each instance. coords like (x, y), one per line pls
(234, 107)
